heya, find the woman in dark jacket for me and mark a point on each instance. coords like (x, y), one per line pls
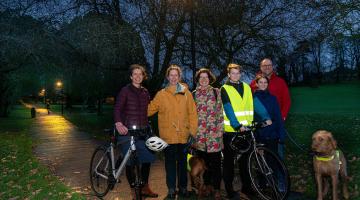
(130, 112)
(273, 134)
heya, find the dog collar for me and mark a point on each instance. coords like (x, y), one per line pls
(328, 158)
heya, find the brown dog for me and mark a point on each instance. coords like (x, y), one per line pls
(328, 162)
(197, 169)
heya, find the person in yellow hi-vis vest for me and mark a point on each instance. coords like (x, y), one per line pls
(238, 107)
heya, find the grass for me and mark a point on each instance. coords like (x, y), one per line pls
(22, 176)
(334, 108)
(336, 99)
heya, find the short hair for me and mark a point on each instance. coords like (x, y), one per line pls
(138, 66)
(260, 76)
(266, 58)
(173, 67)
(233, 66)
(211, 76)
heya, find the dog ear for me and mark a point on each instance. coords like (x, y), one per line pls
(332, 141)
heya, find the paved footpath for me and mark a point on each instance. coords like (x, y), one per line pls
(67, 153)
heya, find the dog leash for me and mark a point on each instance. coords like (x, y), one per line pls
(299, 146)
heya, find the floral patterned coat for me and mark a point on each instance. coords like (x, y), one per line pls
(210, 119)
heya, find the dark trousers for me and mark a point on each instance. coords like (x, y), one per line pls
(130, 173)
(175, 166)
(212, 175)
(228, 166)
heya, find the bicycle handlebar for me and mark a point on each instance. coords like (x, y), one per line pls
(255, 125)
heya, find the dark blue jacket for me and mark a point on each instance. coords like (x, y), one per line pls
(276, 130)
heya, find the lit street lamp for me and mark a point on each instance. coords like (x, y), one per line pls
(59, 85)
(43, 91)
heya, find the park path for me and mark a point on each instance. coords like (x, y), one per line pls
(67, 152)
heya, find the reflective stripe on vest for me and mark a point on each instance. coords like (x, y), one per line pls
(242, 106)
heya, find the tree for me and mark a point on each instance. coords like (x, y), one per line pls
(26, 47)
(106, 50)
(161, 25)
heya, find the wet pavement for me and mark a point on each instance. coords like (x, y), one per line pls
(67, 153)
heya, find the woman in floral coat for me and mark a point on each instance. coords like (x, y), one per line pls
(209, 141)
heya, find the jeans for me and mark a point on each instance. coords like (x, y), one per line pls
(176, 166)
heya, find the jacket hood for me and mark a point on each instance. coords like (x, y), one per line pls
(179, 89)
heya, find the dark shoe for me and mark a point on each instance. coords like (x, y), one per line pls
(184, 194)
(248, 191)
(171, 196)
(233, 196)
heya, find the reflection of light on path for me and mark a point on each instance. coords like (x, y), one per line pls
(38, 110)
(68, 151)
(27, 105)
(56, 124)
(42, 111)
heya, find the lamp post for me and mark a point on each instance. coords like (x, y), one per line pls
(60, 86)
(43, 91)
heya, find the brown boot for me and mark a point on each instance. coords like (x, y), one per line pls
(217, 195)
(147, 192)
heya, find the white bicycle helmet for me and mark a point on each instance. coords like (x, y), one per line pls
(156, 144)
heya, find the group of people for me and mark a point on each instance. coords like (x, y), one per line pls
(209, 115)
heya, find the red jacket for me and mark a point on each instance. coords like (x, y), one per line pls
(280, 90)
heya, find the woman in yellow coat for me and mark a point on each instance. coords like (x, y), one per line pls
(177, 120)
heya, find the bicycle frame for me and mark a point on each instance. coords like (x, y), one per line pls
(116, 172)
(257, 150)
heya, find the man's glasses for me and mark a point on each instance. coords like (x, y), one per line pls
(266, 65)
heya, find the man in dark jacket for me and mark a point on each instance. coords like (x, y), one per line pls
(130, 112)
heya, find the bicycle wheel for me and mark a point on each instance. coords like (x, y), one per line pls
(100, 171)
(268, 174)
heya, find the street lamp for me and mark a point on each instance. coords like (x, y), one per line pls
(43, 91)
(59, 85)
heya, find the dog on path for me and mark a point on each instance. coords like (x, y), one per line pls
(197, 169)
(328, 161)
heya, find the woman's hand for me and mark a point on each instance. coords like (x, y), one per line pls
(121, 128)
(268, 122)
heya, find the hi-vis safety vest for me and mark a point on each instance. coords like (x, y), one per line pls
(243, 106)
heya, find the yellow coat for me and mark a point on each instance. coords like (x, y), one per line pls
(177, 115)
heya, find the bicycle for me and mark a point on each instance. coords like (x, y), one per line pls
(268, 174)
(105, 173)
